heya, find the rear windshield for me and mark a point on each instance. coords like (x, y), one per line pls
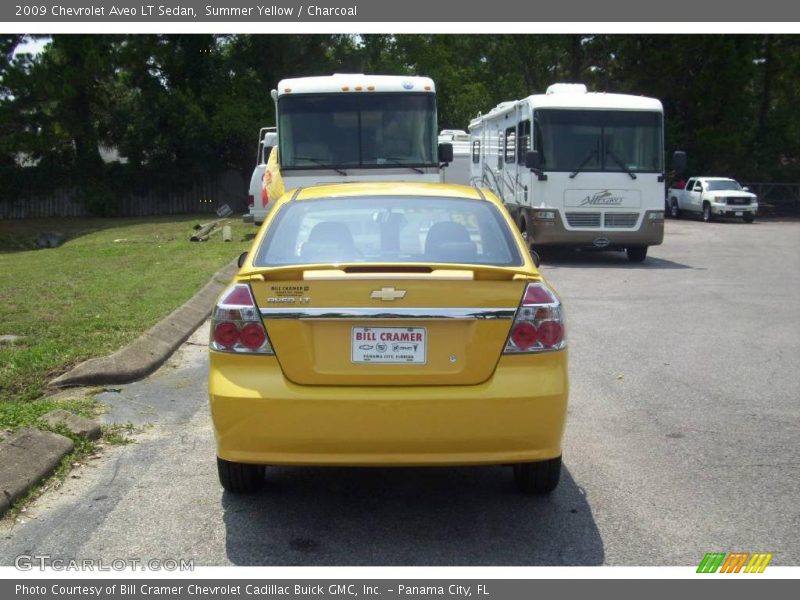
(388, 230)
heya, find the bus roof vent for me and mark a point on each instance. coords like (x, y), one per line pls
(567, 88)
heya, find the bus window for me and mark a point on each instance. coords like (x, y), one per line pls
(523, 139)
(500, 142)
(510, 153)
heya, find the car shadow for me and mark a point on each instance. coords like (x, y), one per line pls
(698, 218)
(600, 258)
(408, 516)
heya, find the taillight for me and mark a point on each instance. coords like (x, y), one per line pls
(524, 335)
(236, 323)
(539, 323)
(251, 200)
(264, 192)
(253, 336)
(226, 334)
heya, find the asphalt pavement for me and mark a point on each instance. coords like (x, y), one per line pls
(683, 438)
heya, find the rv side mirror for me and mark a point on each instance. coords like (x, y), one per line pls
(241, 259)
(445, 152)
(679, 160)
(533, 160)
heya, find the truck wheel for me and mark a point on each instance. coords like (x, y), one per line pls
(706, 212)
(637, 254)
(240, 478)
(674, 211)
(538, 477)
(748, 217)
(523, 225)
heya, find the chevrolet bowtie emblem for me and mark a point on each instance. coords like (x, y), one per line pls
(387, 294)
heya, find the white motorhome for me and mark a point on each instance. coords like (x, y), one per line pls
(356, 127)
(575, 168)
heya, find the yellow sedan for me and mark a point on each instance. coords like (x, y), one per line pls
(388, 324)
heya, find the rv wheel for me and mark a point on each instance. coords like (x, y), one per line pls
(637, 254)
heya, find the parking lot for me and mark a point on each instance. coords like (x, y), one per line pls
(683, 438)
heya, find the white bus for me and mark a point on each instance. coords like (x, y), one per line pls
(356, 127)
(575, 168)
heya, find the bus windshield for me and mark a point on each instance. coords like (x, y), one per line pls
(599, 140)
(357, 130)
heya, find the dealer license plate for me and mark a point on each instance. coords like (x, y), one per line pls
(388, 345)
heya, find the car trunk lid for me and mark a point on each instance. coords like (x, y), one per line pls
(388, 325)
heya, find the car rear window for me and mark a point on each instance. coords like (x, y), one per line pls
(388, 229)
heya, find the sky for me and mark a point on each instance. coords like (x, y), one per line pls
(31, 46)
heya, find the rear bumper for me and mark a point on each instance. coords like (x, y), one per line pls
(256, 215)
(260, 417)
(553, 233)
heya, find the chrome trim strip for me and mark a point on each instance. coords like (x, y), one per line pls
(419, 314)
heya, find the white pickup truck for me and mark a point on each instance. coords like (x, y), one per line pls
(257, 207)
(713, 196)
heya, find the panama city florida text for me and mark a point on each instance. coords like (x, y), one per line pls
(264, 589)
(176, 10)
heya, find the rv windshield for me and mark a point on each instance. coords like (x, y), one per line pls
(599, 140)
(357, 130)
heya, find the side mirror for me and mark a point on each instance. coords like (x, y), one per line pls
(533, 160)
(679, 160)
(745, 189)
(445, 152)
(241, 259)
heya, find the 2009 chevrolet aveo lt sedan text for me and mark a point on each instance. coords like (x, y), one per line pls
(391, 324)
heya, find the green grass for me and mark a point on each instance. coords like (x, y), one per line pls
(14, 415)
(119, 434)
(27, 414)
(93, 295)
(82, 450)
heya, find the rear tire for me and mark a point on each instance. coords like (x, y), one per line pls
(637, 254)
(538, 477)
(748, 217)
(674, 210)
(240, 478)
(706, 216)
